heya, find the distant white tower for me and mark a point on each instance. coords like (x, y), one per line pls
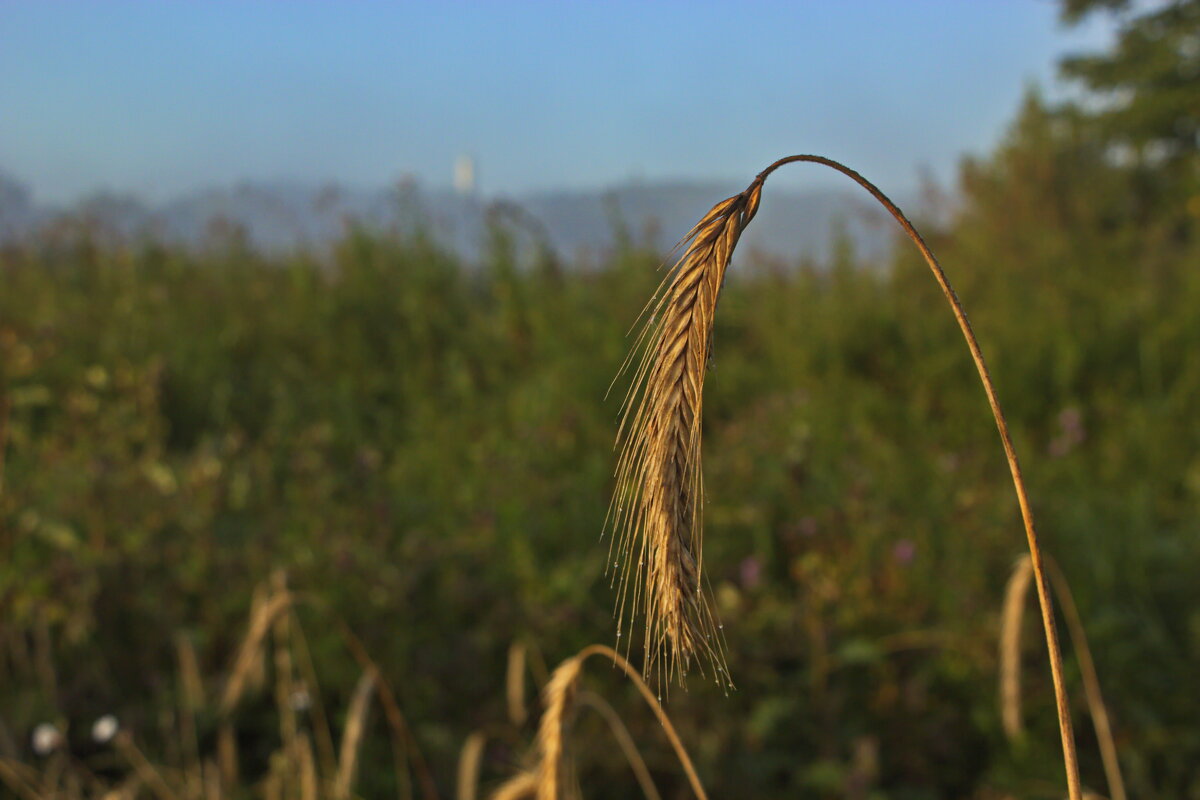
(464, 175)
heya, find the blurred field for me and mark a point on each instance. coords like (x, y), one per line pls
(424, 446)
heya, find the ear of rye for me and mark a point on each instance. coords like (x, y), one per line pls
(656, 516)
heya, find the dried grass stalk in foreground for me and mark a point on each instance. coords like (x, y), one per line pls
(1010, 665)
(469, 759)
(550, 778)
(655, 512)
(1010, 647)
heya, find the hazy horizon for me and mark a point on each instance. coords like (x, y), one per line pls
(163, 100)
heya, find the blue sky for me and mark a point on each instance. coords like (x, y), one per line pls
(163, 97)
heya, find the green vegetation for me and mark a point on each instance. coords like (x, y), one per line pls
(425, 447)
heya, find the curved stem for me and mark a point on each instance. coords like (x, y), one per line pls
(655, 706)
(624, 740)
(404, 744)
(1091, 681)
(1064, 713)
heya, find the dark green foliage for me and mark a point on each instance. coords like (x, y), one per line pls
(1142, 98)
(427, 450)
(425, 446)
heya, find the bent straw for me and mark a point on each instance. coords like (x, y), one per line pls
(1035, 552)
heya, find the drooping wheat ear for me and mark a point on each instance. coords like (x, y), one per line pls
(1010, 647)
(469, 759)
(1010, 665)
(560, 705)
(550, 777)
(655, 512)
(655, 515)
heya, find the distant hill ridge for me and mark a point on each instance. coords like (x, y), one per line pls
(279, 216)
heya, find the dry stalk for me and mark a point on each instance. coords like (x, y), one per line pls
(468, 766)
(404, 747)
(320, 720)
(352, 736)
(523, 786)
(142, 766)
(247, 664)
(212, 781)
(282, 632)
(126, 791)
(1091, 681)
(20, 780)
(43, 654)
(191, 700)
(256, 677)
(655, 512)
(309, 784)
(52, 773)
(191, 685)
(250, 653)
(1010, 665)
(515, 684)
(227, 756)
(265, 611)
(546, 780)
(624, 741)
(1010, 647)
(403, 742)
(8, 747)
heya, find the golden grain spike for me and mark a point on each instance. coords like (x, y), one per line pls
(655, 516)
(1015, 593)
(551, 776)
